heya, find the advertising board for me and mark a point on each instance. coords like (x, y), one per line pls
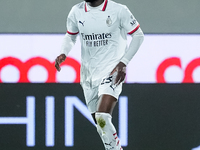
(166, 58)
(54, 116)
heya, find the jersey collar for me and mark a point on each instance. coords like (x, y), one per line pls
(103, 8)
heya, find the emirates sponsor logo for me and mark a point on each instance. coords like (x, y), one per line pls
(94, 36)
(96, 40)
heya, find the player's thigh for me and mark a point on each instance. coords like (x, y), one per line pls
(106, 104)
(108, 96)
(106, 88)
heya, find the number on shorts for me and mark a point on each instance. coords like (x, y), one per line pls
(106, 80)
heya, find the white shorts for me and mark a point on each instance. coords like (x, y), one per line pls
(92, 95)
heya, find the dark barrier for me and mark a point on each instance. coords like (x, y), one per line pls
(54, 117)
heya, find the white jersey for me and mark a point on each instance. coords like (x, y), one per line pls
(103, 34)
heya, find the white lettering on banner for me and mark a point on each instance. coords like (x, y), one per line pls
(50, 121)
(29, 120)
(71, 102)
(123, 120)
(196, 148)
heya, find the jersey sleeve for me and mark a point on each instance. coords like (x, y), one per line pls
(72, 27)
(128, 21)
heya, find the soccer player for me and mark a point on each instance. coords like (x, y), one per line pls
(103, 26)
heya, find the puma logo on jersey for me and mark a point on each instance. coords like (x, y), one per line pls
(109, 146)
(82, 23)
(108, 143)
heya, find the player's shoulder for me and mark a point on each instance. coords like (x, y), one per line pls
(79, 6)
(117, 6)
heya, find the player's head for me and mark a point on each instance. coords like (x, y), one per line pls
(90, 0)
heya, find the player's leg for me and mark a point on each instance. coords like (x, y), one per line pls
(106, 104)
(91, 99)
(101, 102)
(93, 116)
(108, 97)
(105, 127)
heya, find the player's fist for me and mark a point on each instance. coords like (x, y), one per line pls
(121, 73)
(61, 58)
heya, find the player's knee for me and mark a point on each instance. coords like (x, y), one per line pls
(102, 119)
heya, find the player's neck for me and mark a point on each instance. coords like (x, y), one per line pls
(96, 3)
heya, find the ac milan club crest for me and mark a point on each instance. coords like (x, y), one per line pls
(109, 21)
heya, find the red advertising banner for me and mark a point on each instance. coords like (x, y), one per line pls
(161, 59)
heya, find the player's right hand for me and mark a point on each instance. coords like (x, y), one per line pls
(61, 58)
(121, 73)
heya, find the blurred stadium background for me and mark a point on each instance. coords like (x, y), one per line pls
(42, 109)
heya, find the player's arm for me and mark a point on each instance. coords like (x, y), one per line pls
(133, 28)
(68, 42)
(137, 39)
(69, 38)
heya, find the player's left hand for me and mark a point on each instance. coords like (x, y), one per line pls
(121, 73)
